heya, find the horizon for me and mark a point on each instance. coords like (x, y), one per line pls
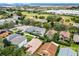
(37, 1)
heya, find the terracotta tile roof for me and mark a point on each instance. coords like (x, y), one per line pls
(48, 49)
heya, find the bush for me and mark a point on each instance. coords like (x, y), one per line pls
(42, 17)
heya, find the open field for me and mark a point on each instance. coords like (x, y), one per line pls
(34, 14)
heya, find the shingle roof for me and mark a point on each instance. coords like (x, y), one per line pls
(15, 38)
(66, 52)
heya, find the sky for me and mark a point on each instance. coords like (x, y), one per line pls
(39, 1)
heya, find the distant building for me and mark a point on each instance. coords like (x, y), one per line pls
(76, 38)
(66, 12)
(33, 45)
(48, 49)
(17, 40)
(50, 33)
(66, 52)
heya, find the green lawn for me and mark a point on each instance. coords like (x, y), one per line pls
(73, 46)
(28, 36)
(14, 30)
(29, 15)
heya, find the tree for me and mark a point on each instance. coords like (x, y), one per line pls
(58, 19)
(36, 16)
(50, 18)
(73, 30)
(17, 22)
(12, 51)
(42, 17)
(19, 13)
(47, 25)
(54, 18)
(59, 27)
(25, 21)
(56, 37)
(6, 43)
(75, 19)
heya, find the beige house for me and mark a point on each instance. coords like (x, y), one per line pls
(51, 33)
(33, 45)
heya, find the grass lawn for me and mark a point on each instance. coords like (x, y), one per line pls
(34, 14)
(28, 36)
(1, 16)
(73, 46)
(14, 30)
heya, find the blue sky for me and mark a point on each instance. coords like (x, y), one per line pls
(39, 1)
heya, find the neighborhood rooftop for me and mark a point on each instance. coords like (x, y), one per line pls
(66, 52)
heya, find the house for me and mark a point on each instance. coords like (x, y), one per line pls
(33, 45)
(17, 40)
(4, 33)
(50, 33)
(15, 17)
(48, 49)
(2, 21)
(76, 25)
(76, 38)
(67, 52)
(32, 29)
(65, 35)
(36, 30)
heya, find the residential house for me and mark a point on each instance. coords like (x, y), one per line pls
(50, 33)
(17, 40)
(65, 35)
(67, 52)
(48, 49)
(76, 25)
(32, 29)
(36, 30)
(76, 38)
(4, 33)
(15, 17)
(33, 45)
(2, 21)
